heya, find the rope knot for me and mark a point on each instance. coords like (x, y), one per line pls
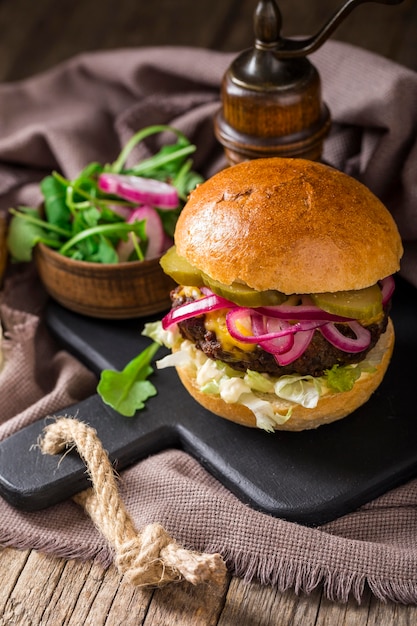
(140, 558)
(149, 558)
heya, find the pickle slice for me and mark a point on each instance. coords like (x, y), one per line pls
(358, 304)
(184, 273)
(180, 269)
(243, 295)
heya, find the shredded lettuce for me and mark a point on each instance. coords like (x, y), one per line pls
(304, 390)
(208, 372)
(175, 359)
(231, 389)
(342, 378)
(259, 382)
(211, 388)
(266, 417)
(167, 338)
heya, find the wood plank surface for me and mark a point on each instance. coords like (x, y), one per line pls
(38, 590)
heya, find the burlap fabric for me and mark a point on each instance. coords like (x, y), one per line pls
(84, 110)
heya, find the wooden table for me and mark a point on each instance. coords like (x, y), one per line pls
(38, 590)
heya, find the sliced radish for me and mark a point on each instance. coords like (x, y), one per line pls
(157, 239)
(123, 211)
(154, 229)
(142, 190)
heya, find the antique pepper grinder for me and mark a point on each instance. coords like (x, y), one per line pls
(271, 93)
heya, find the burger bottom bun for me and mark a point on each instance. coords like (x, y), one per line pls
(331, 407)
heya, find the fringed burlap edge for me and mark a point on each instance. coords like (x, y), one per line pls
(338, 586)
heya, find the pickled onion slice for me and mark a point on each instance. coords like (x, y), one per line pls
(197, 307)
(280, 344)
(141, 190)
(301, 342)
(387, 287)
(286, 341)
(334, 336)
(279, 331)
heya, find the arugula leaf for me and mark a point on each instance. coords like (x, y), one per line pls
(54, 193)
(186, 180)
(106, 252)
(26, 229)
(127, 391)
(165, 163)
(119, 230)
(90, 172)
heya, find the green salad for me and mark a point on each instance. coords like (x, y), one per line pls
(110, 213)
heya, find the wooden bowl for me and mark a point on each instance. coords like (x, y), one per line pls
(109, 291)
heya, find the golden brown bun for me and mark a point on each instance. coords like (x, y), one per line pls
(293, 225)
(331, 407)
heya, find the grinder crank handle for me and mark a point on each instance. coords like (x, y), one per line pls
(268, 22)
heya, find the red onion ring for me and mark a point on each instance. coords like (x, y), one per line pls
(280, 344)
(301, 342)
(197, 307)
(347, 344)
(387, 287)
(206, 291)
(234, 315)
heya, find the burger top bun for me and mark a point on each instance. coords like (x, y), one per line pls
(292, 225)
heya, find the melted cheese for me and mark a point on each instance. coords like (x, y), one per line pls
(216, 322)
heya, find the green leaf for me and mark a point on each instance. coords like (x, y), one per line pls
(54, 193)
(117, 166)
(25, 231)
(125, 403)
(127, 391)
(88, 173)
(258, 382)
(186, 180)
(165, 163)
(342, 378)
(87, 218)
(106, 252)
(169, 220)
(119, 230)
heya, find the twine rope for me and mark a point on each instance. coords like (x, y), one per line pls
(149, 558)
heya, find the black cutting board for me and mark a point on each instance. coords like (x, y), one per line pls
(310, 477)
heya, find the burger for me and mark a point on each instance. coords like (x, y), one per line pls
(280, 319)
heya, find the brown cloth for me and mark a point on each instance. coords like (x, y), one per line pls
(84, 110)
